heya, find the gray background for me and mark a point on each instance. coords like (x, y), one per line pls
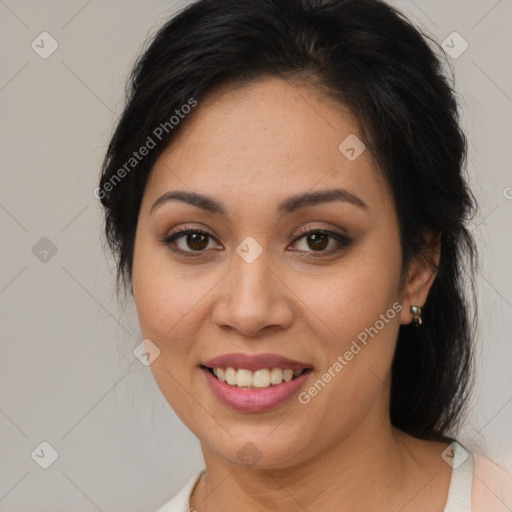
(68, 373)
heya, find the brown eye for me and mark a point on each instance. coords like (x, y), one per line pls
(191, 240)
(196, 241)
(318, 240)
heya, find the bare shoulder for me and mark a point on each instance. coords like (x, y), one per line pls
(492, 486)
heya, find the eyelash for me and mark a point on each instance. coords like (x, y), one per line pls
(342, 240)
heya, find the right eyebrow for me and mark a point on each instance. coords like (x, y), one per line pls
(201, 201)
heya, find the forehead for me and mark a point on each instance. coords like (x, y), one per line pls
(267, 138)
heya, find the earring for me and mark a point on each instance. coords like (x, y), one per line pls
(416, 311)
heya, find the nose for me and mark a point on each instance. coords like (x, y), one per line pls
(253, 298)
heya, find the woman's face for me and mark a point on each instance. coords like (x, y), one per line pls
(250, 287)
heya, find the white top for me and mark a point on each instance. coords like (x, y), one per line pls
(459, 494)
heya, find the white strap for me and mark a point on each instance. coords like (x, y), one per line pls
(459, 495)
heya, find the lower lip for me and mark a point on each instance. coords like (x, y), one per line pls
(254, 400)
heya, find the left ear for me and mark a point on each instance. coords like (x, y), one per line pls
(420, 276)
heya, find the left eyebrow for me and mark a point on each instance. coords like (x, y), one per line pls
(299, 201)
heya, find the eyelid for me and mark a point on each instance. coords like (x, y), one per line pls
(313, 229)
(184, 229)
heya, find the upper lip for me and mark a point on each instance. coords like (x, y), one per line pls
(254, 362)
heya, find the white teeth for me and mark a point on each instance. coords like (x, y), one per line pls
(244, 378)
(276, 376)
(288, 375)
(231, 376)
(263, 378)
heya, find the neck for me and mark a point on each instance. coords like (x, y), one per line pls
(375, 465)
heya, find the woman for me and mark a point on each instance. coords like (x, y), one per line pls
(285, 195)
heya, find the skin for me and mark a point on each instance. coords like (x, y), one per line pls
(251, 146)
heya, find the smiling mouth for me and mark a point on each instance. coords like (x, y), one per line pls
(263, 378)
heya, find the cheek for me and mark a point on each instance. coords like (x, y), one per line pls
(164, 304)
(360, 309)
(360, 321)
(156, 293)
(354, 295)
(162, 296)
